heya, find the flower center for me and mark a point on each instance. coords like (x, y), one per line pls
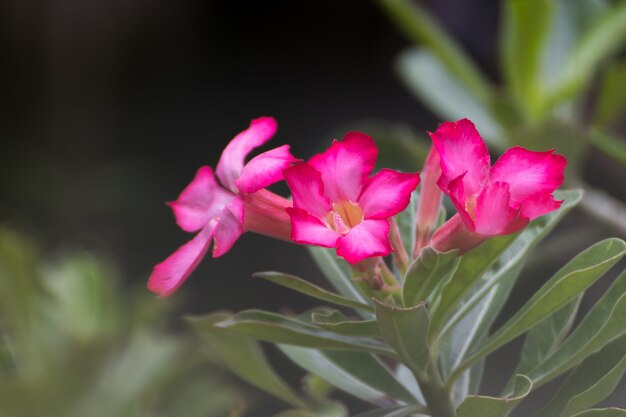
(345, 216)
(470, 205)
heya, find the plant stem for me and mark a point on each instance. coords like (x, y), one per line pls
(434, 392)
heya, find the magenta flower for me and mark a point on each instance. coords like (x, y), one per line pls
(222, 213)
(337, 205)
(495, 200)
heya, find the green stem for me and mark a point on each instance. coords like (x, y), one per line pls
(421, 27)
(434, 392)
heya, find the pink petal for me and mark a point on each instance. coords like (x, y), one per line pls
(229, 227)
(264, 170)
(264, 213)
(387, 193)
(493, 214)
(345, 166)
(167, 276)
(529, 173)
(308, 229)
(369, 238)
(200, 201)
(231, 162)
(458, 198)
(461, 151)
(538, 205)
(307, 189)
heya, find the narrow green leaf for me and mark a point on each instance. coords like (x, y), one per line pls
(337, 272)
(406, 330)
(408, 380)
(468, 328)
(402, 411)
(475, 377)
(426, 77)
(422, 28)
(425, 273)
(329, 409)
(526, 29)
(295, 413)
(408, 225)
(544, 338)
(565, 285)
(611, 101)
(480, 406)
(611, 145)
(604, 37)
(275, 328)
(243, 356)
(359, 374)
(336, 322)
(471, 268)
(305, 287)
(604, 322)
(590, 382)
(602, 412)
(469, 325)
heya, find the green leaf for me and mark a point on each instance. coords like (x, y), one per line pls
(408, 380)
(275, 328)
(526, 29)
(425, 273)
(475, 377)
(544, 338)
(611, 101)
(295, 413)
(590, 382)
(471, 268)
(426, 77)
(611, 145)
(359, 374)
(604, 322)
(393, 412)
(336, 322)
(422, 28)
(329, 409)
(243, 356)
(406, 330)
(493, 289)
(605, 36)
(338, 273)
(408, 225)
(480, 406)
(603, 412)
(469, 326)
(305, 287)
(565, 285)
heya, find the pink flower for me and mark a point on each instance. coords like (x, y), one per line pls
(494, 200)
(337, 204)
(221, 213)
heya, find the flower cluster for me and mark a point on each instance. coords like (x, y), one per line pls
(337, 203)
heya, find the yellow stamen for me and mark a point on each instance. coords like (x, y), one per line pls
(345, 215)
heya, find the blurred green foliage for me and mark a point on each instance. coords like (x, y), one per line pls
(74, 344)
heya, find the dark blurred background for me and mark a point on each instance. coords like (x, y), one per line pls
(109, 107)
